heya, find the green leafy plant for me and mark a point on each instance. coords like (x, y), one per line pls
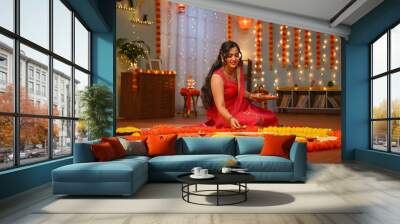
(96, 103)
(132, 50)
(330, 84)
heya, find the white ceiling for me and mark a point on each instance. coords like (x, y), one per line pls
(315, 15)
(320, 9)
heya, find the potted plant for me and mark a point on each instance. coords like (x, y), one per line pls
(96, 103)
(132, 50)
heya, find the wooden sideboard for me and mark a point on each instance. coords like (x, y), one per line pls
(147, 94)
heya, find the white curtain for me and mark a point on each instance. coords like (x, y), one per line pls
(190, 43)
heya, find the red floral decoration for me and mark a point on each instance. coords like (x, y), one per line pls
(307, 48)
(318, 50)
(244, 23)
(271, 45)
(296, 33)
(258, 46)
(284, 43)
(229, 27)
(158, 28)
(332, 51)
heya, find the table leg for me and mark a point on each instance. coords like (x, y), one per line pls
(188, 189)
(196, 187)
(195, 98)
(217, 194)
(184, 111)
(245, 193)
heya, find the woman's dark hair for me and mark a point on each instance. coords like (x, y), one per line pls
(206, 94)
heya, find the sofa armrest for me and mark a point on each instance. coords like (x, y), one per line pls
(298, 155)
(83, 152)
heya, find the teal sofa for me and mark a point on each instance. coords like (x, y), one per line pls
(125, 176)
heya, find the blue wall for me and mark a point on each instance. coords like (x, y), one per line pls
(99, 16)
(356, 85)
(103, 54)
(24, 178)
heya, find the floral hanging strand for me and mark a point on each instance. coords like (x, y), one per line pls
(271, 45)
(318, 50)
(229, 27)
(307, 48)
(296, 49)
(332, 51)
(158, 27)
(284, 45)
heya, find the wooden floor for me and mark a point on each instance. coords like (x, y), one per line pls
(332, 121)
(377, 190)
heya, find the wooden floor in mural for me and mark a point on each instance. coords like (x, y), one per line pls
(332, 121)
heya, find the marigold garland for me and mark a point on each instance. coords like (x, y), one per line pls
(317, 139)
(229, 27)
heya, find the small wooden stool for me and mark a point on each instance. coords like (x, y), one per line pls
(190, 98)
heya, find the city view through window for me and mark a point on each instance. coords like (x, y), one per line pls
(39, 114)
(385, 94)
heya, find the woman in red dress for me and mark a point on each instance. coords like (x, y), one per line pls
(224, 95)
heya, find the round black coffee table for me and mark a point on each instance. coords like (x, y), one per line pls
(238, 179)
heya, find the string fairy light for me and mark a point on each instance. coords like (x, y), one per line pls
(258, 68)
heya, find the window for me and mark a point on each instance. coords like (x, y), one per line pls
(37, 74)
(3, 71)
(62, 29)
(35, 22)
(30, 73)
(6, 89)
(30, 87)
(43, 77)
(55, 126)
(62, 74)
(7, 14)
(81, 45)
(81, 81)
(3, 78)
(38, 89)
(3, 61)
(43, 90)
(385, 96)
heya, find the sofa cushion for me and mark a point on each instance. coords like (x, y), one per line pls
(277, 145)
(116, 145)
(185, 163)
(103, 152)
(159, 145)
(196, 146)
(137, 147)
(257, 163)
(249, 145)
(112, 171)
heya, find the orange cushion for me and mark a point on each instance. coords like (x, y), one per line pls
(103, 151)
(116, 145)
(158, 145)
(135, 138)
(277, 145)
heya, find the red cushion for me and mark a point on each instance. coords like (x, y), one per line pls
(277, 145)
(116, 145)
(159, 145)
(103, 151)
